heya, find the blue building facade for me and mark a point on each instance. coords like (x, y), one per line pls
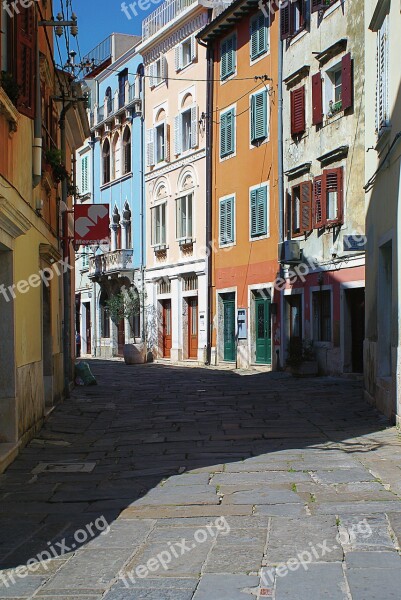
(109, 171)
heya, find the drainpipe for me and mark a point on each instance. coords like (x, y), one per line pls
(209, 185)
(280, 179)
(37, 142)
(66, 256)
(92, 145)
(142, 208)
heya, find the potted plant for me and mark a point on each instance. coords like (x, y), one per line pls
(54, 159)
(125, 305)
(301, 358)
(10, 86)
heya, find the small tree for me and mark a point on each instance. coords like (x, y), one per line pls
(125, 304)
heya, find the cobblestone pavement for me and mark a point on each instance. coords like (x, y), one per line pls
(216, 485)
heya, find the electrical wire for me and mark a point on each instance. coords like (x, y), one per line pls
(51, 51)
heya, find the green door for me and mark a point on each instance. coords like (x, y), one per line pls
(263, 331)
(229, 327)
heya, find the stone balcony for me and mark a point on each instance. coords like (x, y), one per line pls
(115, 263)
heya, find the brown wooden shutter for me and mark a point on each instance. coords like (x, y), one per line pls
(26, 60)
(319, 209)
(317, 99)
(346, 82)
(316, 5)
(333, 182)
(285, 21)
(306, 206)
(298, 111)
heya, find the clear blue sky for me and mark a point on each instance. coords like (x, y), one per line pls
(98, 18)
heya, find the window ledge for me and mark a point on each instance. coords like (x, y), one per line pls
(186, 242)
(160, 248)
(8, 109)
(383, 138)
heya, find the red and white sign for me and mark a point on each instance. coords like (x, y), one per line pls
(92, 224)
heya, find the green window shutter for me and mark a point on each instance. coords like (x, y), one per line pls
(223, 222)
(258, 41)
(258, 209)
(230, 220)
(259, 116)
(227, 133)
(227, 57)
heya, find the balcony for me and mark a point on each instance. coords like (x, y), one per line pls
(163, 15)
(111, 263)
(101, 52)
(117, 103)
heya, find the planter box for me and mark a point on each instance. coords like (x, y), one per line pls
(308, 368)
(135, 354)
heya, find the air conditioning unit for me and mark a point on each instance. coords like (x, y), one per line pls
(289, 252)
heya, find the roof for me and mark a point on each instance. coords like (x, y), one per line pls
(226, 20)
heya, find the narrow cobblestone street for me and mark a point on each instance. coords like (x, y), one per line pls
(209, 479)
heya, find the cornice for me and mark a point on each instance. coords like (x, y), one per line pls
(12, 221)
(178, 164)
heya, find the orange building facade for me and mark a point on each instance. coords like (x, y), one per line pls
(243, 47)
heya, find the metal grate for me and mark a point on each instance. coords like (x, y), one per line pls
(190, 283)
(164, 286)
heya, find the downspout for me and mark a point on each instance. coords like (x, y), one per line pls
(142, 209)
(209, 185)
(92, 145)
(37, 141)
(66, 257)
(280, 182)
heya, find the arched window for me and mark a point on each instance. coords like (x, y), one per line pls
(109, 100)
(104, 316)
(106, 161)
(116, 156)
(127, 150)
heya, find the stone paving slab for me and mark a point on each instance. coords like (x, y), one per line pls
(373, 583)
(178, 449)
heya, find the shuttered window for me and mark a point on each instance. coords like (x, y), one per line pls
(26, 60)
(317, 99)
(227, 57)
(226, 221)
(382, 81)
(159, 225)
(301, 208)
(258, 212)
(227, 133)
(84, 175)
(259, 128)
(292, 18)
(259, 43)
(328, 198)
(347, 85)
(298, 111)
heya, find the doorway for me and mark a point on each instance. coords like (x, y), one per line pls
(263, 329)
(193, 328)
(229, 350)
(167, 338)
(88, 326)
(354, 329)
(47, 345)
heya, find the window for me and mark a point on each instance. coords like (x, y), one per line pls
(157, 144)
(293, 18)
(301, 208)
(127, 150)
(259, 116)
(184, 217)
(258, 211)
(160, 142)
(158, 72)
(227, 57)
(227, 133)
(259, 36)
(25, 60)
(186, 129)
(116, 156)
(185, 53)
(104, 316)
(106, 161)
(226, 221)
(122, 79)
(321, 306)
(339, 90)
(85, 257)
(109, 100)
(298, 121)
(321, 4)
(382, 80)
(84, 175)
(328, 201)
(159, 225)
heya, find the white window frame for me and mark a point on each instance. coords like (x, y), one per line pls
(329, 88)
(234, 242)
(158, 66)
(154, 209)
(265, 184)
(193, 110)
(186, 195)
(382, 78)
(253, 145)
(179, 53)
(162, 126)
(85, 191)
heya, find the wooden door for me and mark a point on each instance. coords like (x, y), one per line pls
(167, 339)
(121, 337)
(357, 303)
(263, 331)
(229, 327)
(88, 329)
(193, 328)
